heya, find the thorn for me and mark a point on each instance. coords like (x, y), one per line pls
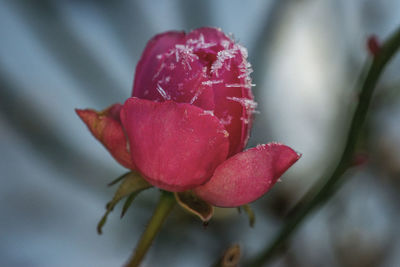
(373, 45)
(359, 159)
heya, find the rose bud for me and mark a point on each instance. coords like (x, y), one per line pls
(189, 119)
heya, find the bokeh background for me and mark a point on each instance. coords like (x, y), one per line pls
(306, 54)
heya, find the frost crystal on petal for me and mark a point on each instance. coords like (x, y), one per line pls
(225, 132)
(211, 82)
(243, 50)
(162, 66)
(199, 43)
(225, 44)
(222, 56)
(184, 54)
(163, 93)
(196, 95)
(247, 85)
(226, 120)
(245, 120)
(248, 104)
(165, 80)
(245, 71)
(208, 112)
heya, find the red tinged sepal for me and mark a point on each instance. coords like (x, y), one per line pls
(175, 146)
(106, 127)
(247, 176)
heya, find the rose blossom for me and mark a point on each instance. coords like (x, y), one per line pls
(188, 121)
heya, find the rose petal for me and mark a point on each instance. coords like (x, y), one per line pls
(149, 63)
(205, 68)
(176, 146)
(230, 80)
(175, 74)
(246, 176)
(106, 127)
(233, 99)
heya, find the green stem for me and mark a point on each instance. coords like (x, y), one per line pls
(317, 197)
(164, 207)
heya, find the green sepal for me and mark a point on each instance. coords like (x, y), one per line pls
(195, 205)
(132, 183)
(119, 179)
(250, 213)
(128, 202)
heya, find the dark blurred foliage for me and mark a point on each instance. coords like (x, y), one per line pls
(59, 55)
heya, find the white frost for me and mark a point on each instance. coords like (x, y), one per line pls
(227, 120)
(196, 95)
(163, 93)
(245, 120)
(199, 43)
(248, 104)
(208, 113)
(246, 85)
(211, 82)
(162, 66)
(222, 56)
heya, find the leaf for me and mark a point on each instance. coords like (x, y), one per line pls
(250, 213)
(132, 183)
(118, 179)
(195, 205)
(128, 202)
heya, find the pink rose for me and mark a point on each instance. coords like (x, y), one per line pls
(188, 121)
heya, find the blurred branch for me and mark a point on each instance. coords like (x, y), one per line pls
(320, 194)
(230, 258)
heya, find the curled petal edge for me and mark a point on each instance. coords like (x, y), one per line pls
(248, 175)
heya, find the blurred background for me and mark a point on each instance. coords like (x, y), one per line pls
(306, 54)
